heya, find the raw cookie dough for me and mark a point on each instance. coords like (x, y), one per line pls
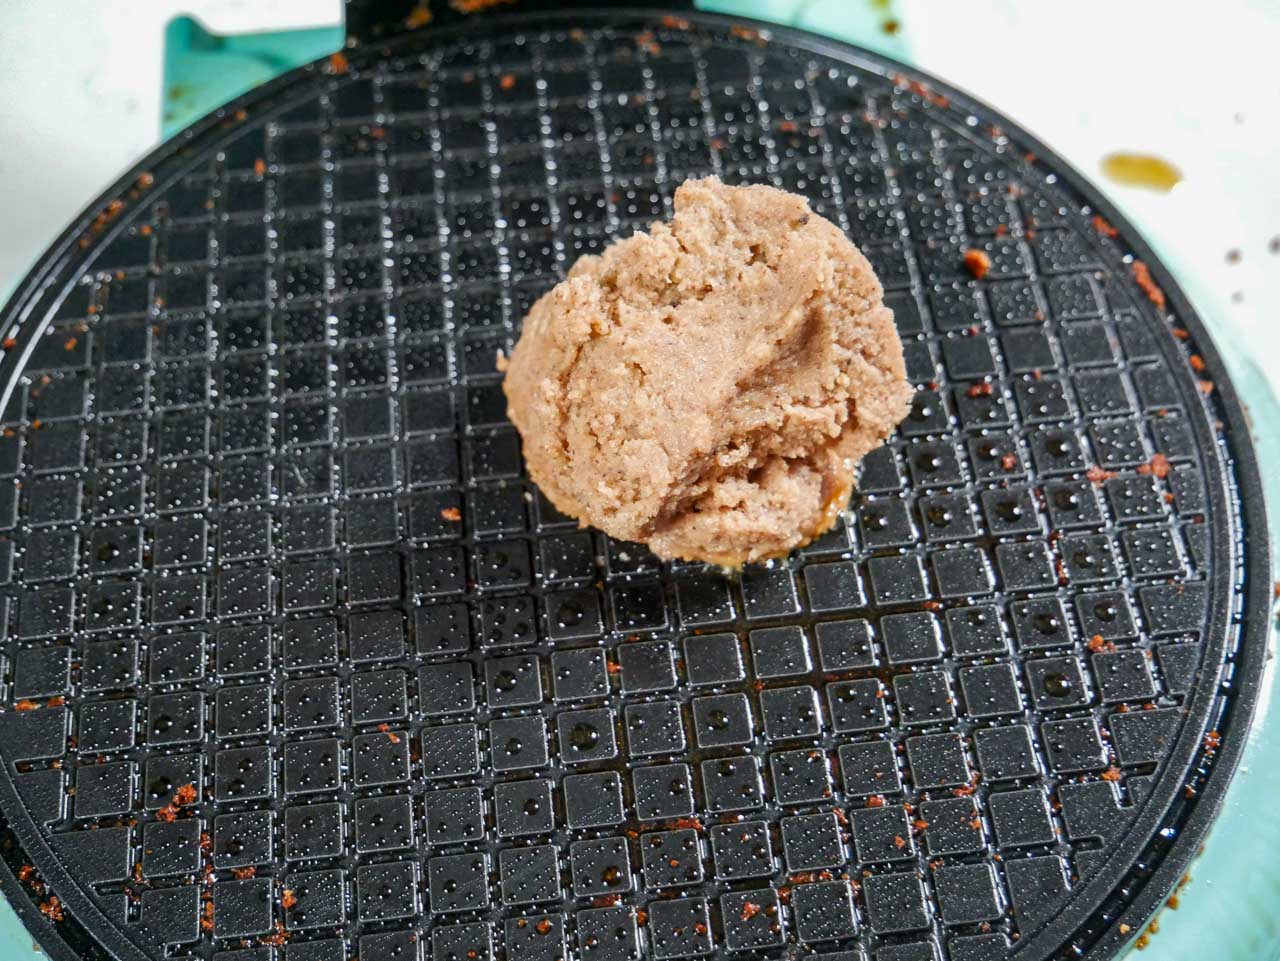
(708, 387)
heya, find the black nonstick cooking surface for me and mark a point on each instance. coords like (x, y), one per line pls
(297, 663)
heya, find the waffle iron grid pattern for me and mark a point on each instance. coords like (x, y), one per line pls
(267, 534)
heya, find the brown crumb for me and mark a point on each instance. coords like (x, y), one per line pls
(681, 823)
(418, 17)
(288, 899)
(392, 736)
(1158, 466)
(70, 344)
(260, 167)
(507, 81)
(1009, 462)
(9, 343)
(1111, 774)
(1142, 277)
(543, 926)
(475, 6)
(185, 794)
(451, 514)
(675, 23)
(977, 263)
(1099, 643)
(875, 801)
(979, 390)
(338, 63)
(1206, 387)
(1180, 332)
(1098, 476)
(279, 937)
(1104, 228)
(55, 701)
(244, 874)
(921, 90)
(52, 909)
(1196, 362)
(642, 917)
(1212, 739)
(899, 841)
(26, 705)
(920, 824)
(606, 901)
(749, 910)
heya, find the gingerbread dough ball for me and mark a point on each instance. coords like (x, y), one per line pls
(708, 387)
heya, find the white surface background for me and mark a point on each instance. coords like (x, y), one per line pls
(80, 101)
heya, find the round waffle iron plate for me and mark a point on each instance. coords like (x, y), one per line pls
(296, 659)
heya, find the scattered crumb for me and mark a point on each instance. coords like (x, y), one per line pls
(675, 23)
(1142, 277)
(875, 801)
(1196, 362)
(977, 263)
(921, 90)
(1111, 774)
(1099, 476)
(979, 390)
(260, 167)
(288, 899)
(185, 794)
(52, 909)
(244, 874)
(338, 63)
(25, 705)
(1099, 643)
(1103, 227)
(475, 6)
(418, 17)
(1158, 466)
(1009, 462)
(451, 514)
(507, 81)
(276, 939)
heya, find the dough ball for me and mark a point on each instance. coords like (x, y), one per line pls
(708, 387)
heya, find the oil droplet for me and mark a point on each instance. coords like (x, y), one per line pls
(1057, 685)
(584, 737)
(1141, 170)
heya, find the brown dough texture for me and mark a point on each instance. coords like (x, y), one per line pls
(708, 387)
